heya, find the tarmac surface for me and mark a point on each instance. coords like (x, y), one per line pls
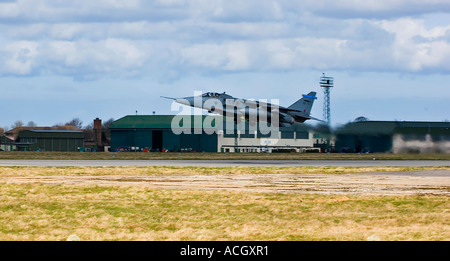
(436, 182)
(226, 163)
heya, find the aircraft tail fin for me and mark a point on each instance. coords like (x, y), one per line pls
(305, 104)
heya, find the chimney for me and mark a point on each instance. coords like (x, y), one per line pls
(98, 132)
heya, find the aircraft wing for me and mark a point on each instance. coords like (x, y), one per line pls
(312, 118)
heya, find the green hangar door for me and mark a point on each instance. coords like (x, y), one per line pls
(157, 140)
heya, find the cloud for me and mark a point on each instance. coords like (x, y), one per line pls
(230, 56)
(86, 59)
(416, 48)
(373, 9)
(168, 38)
(285, 54)
(221, 10)
(18, 58)
(59, 11)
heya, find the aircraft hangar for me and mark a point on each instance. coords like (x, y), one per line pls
(393, 136)
(155, 133)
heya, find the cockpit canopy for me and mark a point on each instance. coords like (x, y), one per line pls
(216, 95)
(212, 94)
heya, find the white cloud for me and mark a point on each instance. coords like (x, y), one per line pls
(171, 37)
(86, 59)
(417, 48)
(18, 58)
(205, 55)
(8, 10)
(372, 8)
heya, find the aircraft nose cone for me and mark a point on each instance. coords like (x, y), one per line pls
(183, 101)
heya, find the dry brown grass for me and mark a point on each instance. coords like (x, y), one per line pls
(161, 170)
(54, 212)
(44, 212)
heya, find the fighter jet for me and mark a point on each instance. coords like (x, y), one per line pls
(251, 110)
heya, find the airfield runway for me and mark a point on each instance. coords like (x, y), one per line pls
(225, 163)
(435, 182)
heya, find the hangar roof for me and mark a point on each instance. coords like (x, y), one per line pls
(165, 122)
(14, 133)
(151, 122)
(51, 134)
(391, 127)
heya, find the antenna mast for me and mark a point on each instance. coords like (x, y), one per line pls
(326, 83)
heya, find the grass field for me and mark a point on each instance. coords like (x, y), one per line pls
(41, 211)
(215, 156)
(49, 212)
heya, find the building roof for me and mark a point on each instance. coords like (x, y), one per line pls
(165, 122)
(392, 127)
(15, 132)
(55, 131)
(51, 134)
(6, 140)
(150, 121)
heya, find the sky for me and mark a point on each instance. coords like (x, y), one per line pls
(84, 59)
